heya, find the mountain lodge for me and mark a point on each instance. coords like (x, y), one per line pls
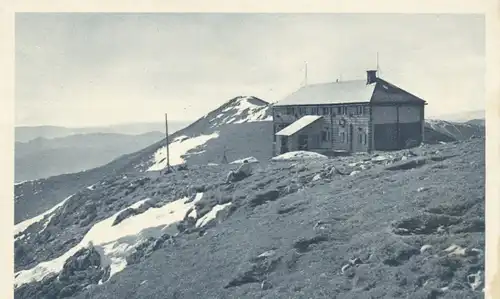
(348, 116)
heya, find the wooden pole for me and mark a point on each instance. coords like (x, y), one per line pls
(167, 141)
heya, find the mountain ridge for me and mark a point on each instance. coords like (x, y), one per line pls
(259, 137)
(27, 133)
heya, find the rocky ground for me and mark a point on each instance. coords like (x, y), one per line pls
(406, 224)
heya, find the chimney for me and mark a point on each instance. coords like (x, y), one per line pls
(371, 77)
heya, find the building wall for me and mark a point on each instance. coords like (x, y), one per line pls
(337, 137)
(389, 114)
(395, 126)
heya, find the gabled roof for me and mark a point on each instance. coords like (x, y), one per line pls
(298, 125)
(397, 94)
(354, 91)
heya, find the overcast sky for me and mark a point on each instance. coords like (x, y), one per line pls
(98, 69)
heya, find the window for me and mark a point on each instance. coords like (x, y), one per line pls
(342, 137)
(302, 110)
(339, 110)
(325, 110)
(324, 136)
(360, 138)
(314, 110)
(290, 110)
(365, 136)
(359, 110)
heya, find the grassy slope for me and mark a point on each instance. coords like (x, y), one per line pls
(356, 217)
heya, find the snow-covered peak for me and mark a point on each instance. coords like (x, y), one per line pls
(194, 139)
(241, 109)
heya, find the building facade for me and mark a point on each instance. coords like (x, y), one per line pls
(348, 116)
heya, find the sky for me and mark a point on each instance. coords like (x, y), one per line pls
(99, 69)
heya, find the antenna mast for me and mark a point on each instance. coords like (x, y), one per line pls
(378, 67)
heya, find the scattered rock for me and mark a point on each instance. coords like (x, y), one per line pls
(268, 253)
(345, 267)
(255, 272)
(421, 189)
(302, 244)
(423, 224)
(474, 252)
(364, 167)
(263, 197)
(356, 261)
(316, 177)
(475, 280)
(182, 167)
(124, 215)
(441, 158)
(146, 248)
(288, 208)
(266, 285)
(425, 248)
(406, 165)
(455, 250)
(379, 158)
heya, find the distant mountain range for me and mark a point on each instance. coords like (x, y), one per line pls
(27, 133)
(475, 116)
(44, 151)
(42, 157)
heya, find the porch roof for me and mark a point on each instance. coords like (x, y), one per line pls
(298, 125)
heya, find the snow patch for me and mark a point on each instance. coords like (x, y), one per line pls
(180, 138)
(211, 215)
(380, 158)
(249, 159)
(115, 243)
(298, 155)
(178, 149)
(22, 226)
(22, 182)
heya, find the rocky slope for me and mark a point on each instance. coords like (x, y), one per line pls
(444, 131)
(406, 224)
(241, 119)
